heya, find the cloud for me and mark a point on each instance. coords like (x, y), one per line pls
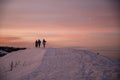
(83, 22)
(9, 39)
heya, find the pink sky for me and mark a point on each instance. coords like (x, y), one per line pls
(65, 23)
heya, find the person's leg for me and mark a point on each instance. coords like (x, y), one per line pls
(40, 44)
(44, 45)
(35, 45)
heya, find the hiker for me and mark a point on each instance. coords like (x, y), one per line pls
(39, 42)
(36, 43)
(44, 43)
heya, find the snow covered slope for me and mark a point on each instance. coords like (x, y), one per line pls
(24, 62)
(58, 64)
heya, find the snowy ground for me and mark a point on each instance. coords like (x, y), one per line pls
(58, 64)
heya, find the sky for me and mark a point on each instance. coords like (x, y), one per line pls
(63, 23)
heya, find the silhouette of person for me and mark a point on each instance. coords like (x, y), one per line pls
(44, 43)
(36, 43)
(39, 42)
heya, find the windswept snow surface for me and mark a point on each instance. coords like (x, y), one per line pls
(58, 64)
(24, 62)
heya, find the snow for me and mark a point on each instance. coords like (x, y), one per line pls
(58, 64)
(24, 62)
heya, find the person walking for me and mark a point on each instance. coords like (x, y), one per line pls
(39, 42)
(44, 43)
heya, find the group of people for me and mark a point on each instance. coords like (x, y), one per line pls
(38, 43)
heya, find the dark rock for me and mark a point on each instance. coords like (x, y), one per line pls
(4, 49)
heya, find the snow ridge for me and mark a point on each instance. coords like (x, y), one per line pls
(71, 64)
(61, 64)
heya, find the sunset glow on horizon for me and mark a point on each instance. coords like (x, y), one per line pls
(63, 23)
